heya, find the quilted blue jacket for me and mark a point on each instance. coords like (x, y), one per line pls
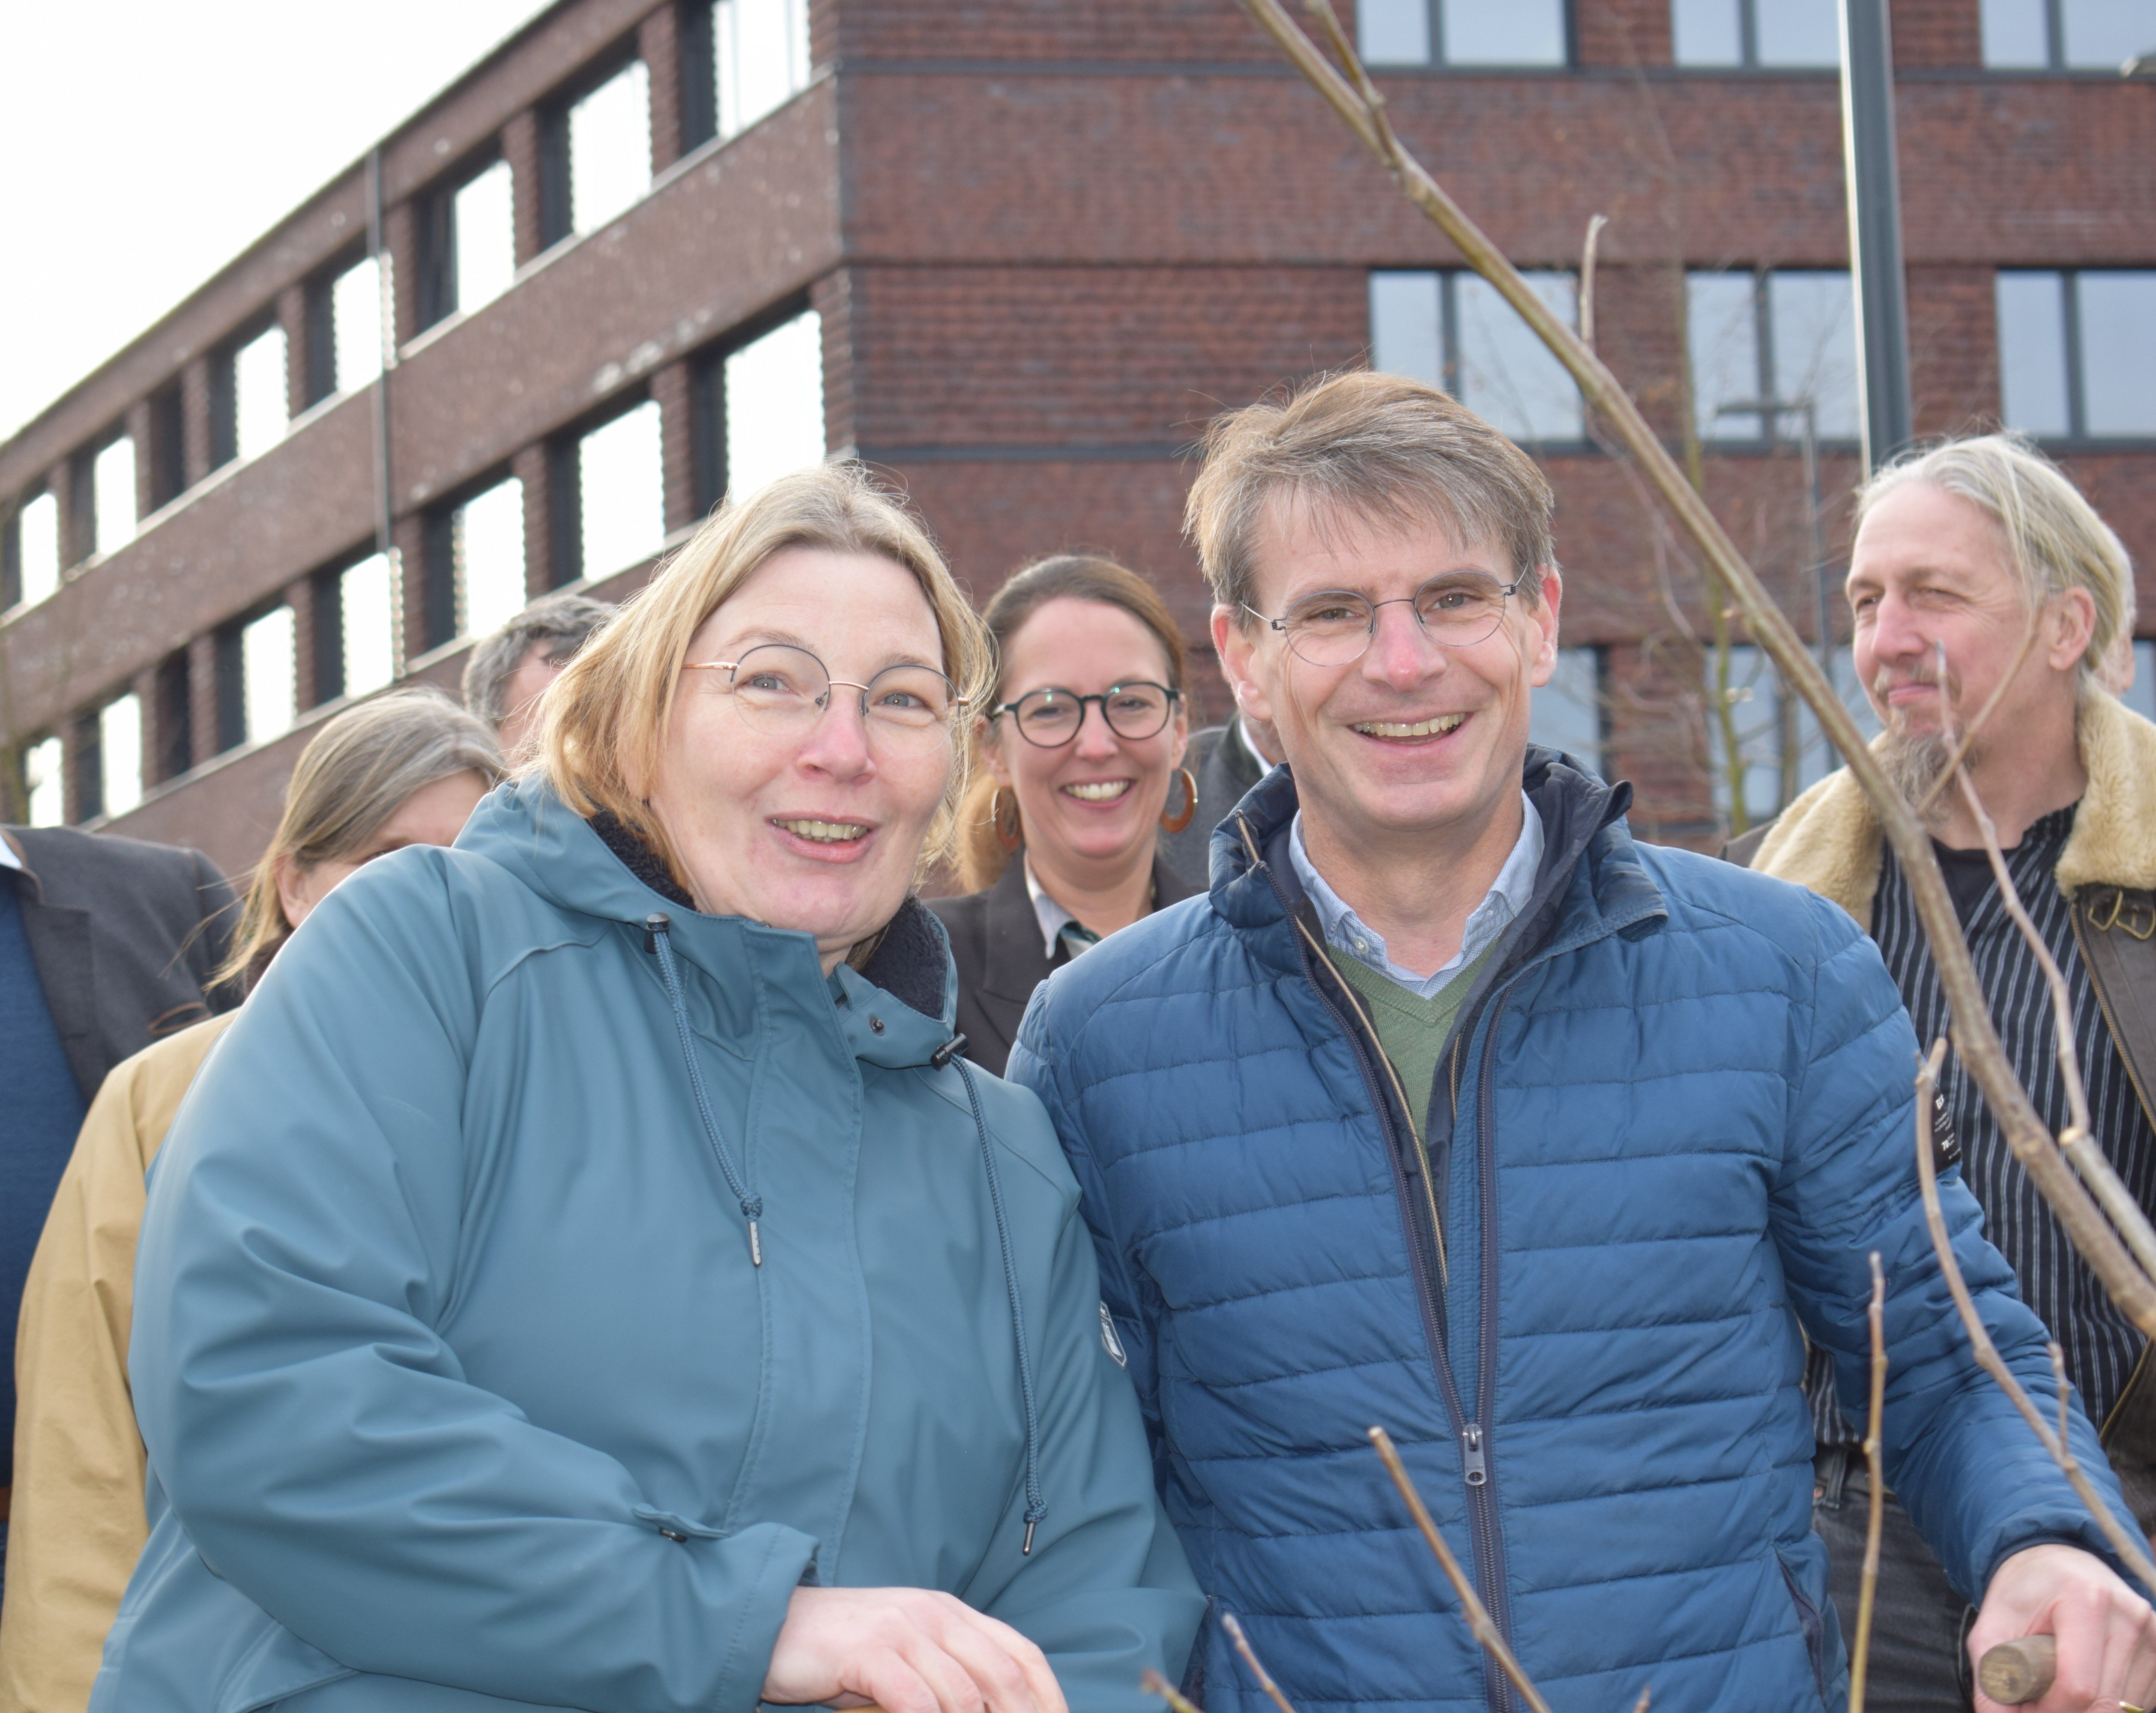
(1676, 1118)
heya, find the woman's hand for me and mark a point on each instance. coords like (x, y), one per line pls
(910, 1650)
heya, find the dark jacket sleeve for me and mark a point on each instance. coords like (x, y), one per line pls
(1958, 1455)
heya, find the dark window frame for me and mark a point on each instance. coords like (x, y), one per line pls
(557, 214)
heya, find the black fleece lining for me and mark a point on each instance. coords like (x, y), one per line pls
(640, 859)
(908, 962)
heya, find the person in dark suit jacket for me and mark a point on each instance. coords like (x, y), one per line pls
(1083, 740)
(1227, 760)
(106, 944)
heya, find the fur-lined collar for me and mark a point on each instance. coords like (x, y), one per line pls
(1828, 839)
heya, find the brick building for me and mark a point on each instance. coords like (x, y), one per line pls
(1016, 252)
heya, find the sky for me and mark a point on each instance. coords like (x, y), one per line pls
(144, 144)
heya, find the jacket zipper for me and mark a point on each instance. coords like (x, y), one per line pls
(1474, 1457)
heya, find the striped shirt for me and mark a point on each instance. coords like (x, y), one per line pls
(2101, 1344)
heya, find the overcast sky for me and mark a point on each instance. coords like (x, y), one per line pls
(143, 143)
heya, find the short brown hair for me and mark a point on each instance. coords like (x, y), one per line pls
(1076, 577)
(1376, 447)
(607, 714)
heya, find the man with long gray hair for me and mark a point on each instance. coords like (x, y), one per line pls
(1981, 579)
(508, 670)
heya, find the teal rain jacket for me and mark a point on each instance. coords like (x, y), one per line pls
(461, 1387)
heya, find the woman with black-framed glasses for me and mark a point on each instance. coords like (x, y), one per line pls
(1083, 740)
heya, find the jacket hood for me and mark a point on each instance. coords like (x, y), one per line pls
(524, 828)
(1829, 839)
(1589, 862)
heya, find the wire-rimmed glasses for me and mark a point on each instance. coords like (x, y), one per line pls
(1050, 718)
(1335, 627)
(784, 691)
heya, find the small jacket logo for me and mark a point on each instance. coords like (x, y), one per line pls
(1109, 1341)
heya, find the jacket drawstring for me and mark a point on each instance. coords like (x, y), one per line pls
(1036, 1508)
(657, 931)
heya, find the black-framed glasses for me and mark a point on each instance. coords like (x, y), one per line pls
(1050, 718)
(1335, 627)
(784, 691)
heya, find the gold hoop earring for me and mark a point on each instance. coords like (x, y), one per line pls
(1176, 822)
(1010, 831)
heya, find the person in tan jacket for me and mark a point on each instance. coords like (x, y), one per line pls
(405, 768)
(1960, 550)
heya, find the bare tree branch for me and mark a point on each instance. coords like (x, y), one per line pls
(2133, 1553)
(1477, 1614)
(1867, 1585)
(1975, 1038)
(1959, 758)
(1588, 252)
(1153, 1683)
(1232, 1627)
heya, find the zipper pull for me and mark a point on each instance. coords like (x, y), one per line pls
(1477, 1465)
(755, 1245)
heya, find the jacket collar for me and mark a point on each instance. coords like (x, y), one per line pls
(908, 987)
(1592, 882)
(1829, 839)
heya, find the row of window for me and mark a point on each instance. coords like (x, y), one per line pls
(760, 411)
(742, 59)
(1773, 352)
(2017, 35)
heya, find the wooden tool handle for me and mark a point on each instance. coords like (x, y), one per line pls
(2021, 1671)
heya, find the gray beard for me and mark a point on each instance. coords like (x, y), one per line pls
(1915, 762)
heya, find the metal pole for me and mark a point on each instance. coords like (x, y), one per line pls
(1875, 228)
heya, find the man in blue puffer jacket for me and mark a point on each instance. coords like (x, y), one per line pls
(1453, 1110)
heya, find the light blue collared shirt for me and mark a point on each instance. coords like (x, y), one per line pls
(1346, 933)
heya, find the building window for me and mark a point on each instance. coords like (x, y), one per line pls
(2051, 325)
(112, 486)
(1453, 331)
(1780, 338)
(1778, 740)
(356, 327)
(759, 58)
(261, 398)
(1792, 34)
(487, 537)
(774, 404)
(621, 493)
(481, 241)
(120, 754)
(38, 550)
(175, 722)
(2140, 695)
(2065, 35)
(610, 148)
(1462, 33)
(268, 681)
(46, 783)
(1566, 713)
(366, 616)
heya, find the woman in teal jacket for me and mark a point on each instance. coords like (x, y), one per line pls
(589, 1275)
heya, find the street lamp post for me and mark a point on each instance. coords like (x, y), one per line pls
(1875, 230)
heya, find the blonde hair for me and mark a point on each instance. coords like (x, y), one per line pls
(1375, 447)
(1077, 576)
(354, 774)
(606, 716)
(2054, 541)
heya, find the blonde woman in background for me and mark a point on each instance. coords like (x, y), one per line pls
(406, 768)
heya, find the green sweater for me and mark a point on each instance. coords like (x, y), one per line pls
(1411, 1030)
